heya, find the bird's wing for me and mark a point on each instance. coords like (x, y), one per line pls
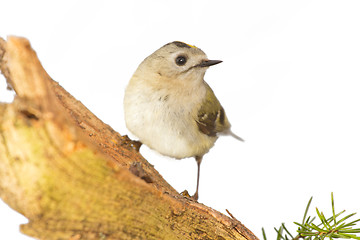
(211, 117)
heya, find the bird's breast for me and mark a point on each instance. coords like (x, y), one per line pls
(165, 120)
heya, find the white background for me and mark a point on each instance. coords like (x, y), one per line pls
(290, 84)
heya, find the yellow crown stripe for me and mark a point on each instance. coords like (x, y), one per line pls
(192, 46)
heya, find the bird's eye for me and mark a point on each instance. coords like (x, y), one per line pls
(180, 60)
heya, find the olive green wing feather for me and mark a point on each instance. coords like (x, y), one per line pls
(211, 117)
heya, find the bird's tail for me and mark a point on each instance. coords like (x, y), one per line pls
(229, 132)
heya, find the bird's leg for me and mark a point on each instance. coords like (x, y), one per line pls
(136, 145)
(198, 161)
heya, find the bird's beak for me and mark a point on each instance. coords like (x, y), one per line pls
(208, 63)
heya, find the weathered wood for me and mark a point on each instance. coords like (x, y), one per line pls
(74, 177)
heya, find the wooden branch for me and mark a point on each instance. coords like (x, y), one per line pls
(74, 177)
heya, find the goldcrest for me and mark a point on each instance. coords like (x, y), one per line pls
(170, 107)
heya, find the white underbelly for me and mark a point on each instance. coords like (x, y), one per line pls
(171, 131)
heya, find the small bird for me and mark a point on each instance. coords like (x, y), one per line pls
(170, 107)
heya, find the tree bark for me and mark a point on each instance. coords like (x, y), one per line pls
(74, 177)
